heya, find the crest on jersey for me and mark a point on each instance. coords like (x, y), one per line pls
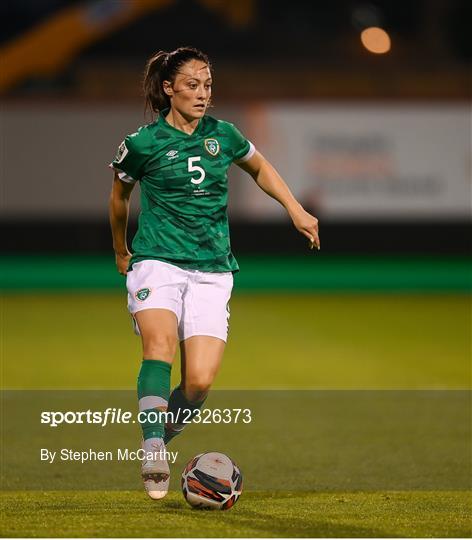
(212, 146)
(121, 154)
(142, 294)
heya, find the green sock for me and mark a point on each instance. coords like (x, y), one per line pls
(153, 395)
(177, 403)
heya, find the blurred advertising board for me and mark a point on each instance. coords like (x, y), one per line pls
(349, 162)
(343, 161)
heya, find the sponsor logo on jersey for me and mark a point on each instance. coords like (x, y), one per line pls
(142, 294)
(172, 154)
(212, 146)
(121, 154)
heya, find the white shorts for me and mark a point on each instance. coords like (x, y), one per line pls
(200, 300)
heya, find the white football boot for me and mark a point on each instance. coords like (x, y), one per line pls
(155, 472)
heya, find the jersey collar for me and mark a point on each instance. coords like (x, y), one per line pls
(174, 130)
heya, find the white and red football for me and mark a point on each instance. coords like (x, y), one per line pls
(212, 480)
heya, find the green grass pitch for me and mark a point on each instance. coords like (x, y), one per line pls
(59, 340)
(296, 514)
(286, 341)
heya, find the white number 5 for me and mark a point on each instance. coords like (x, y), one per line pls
(192, 168)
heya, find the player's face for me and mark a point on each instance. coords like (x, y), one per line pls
(191, 92)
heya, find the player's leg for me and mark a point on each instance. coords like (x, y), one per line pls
(158, 329)
(155, 292)
(201, 358)
(203, 331)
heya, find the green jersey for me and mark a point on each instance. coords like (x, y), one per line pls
(184, 191)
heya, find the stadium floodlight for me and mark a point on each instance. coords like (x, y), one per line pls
(376, 40)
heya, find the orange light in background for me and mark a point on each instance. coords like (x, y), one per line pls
(376, 40)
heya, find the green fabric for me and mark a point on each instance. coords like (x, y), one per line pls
(178, 402)
(313, 272)
(153, 380)
(184, 192)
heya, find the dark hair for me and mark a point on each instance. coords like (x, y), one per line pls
(163, 66)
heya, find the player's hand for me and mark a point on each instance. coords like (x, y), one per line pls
(122, 262)
(308, 226)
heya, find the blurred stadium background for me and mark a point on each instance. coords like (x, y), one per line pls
(364, 107)
(377, 145)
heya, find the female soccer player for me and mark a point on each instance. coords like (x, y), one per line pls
(180, 275)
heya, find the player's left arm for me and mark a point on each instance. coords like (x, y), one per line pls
(270, 181)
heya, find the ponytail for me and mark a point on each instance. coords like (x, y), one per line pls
(154, 76)
(163, 66)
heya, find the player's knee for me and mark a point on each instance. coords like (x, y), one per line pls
(198, 388)
(160, 347)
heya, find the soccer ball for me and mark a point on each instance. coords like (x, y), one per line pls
(212, 480)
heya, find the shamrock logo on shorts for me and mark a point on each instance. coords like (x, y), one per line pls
(142, 294)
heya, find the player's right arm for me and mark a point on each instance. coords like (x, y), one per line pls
(129, 164)
(119, 212)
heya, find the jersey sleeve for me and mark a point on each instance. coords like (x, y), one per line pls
(130, 159)
(241, 147)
